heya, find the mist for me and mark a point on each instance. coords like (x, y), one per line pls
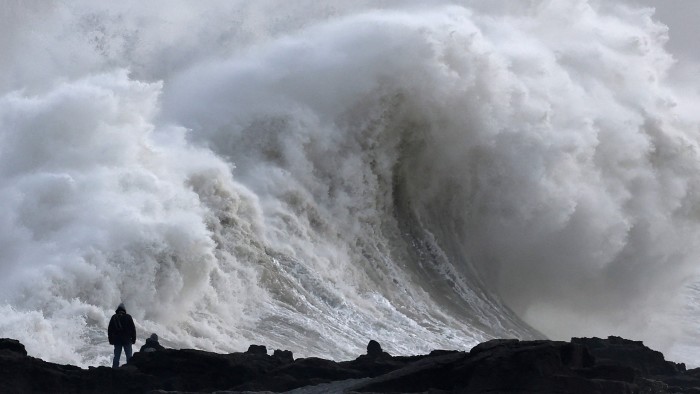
(308, 176)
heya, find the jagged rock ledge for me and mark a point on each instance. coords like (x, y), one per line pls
(584, 365)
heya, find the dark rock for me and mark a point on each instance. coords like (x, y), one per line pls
(509, 366)
(634, 354)
(374, 348)
(494, 343)
(257, 349)
(610, 372)
(371, 366)
(428, 373)
(12, 345)
(302, 372)
(584, 365)
(374, 351)
(440, 352)
(197, 370)
(285, 356)
(22, 374)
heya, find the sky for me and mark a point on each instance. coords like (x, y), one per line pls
(684, 30)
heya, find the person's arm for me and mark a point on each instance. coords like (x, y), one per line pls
(133, 330)
(110, 331)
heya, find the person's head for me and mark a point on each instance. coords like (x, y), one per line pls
(154, 337)
(121, 308)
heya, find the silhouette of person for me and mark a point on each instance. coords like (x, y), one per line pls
(121, 333)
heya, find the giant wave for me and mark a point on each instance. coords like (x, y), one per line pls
(310, 176)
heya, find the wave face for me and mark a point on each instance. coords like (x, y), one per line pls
(312, 176)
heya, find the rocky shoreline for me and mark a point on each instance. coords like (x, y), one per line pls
(583, 365)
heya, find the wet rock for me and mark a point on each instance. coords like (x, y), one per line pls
(584, 365)
(620, 351)
(285, 356)
(12, 345)
(374, 349)
(257, 349)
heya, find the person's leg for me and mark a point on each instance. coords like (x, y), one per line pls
(117, 355)
(127, 351)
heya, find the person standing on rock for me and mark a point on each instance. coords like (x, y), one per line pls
(121, 333)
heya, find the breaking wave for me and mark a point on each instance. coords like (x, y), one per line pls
(310, 176)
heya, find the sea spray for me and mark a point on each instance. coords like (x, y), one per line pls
(309, 177)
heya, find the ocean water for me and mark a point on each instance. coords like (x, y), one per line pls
(311, 176)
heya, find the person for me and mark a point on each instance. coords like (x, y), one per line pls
(121, 333)
(151, 344)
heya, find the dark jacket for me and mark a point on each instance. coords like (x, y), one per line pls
(153, 344)
(121, 328)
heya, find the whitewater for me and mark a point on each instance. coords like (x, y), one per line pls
(310, 176)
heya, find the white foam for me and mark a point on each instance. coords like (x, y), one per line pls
(338, 173)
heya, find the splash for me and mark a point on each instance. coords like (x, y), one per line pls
(309, 177)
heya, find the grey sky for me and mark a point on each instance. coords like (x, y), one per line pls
(682, 17)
